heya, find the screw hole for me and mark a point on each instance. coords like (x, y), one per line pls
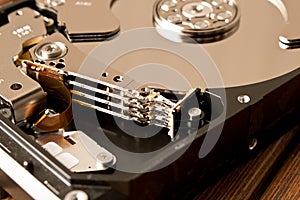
(243, 99)
(60, 65)
(145, 89)
(52, 63)
(19, 13)
(252, 144)
(16, 86)
(118, 79)
(105, 74)
(37, 16)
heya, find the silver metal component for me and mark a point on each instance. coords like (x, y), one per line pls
(48, 21)
(55, 3)
(153, 109)
(218, 2)
(6, 112)
(35, 189)
(118, 78)
(76, 195)
(104, 159)
(133, 106)
(19, 12)
(174, 18)
(26, 165)
(51, 51)
(78, 25)
(290, 36)
(25, 97)
(224, 16)
(50, 112)
(252, 144)
(16, 86)
(71, 60)
(100, 100)
(244, 99)
(194, 112)
(167, 5)
(80, 156)
(282, 20)
(197, 9)
(202, 24)
(205, 21)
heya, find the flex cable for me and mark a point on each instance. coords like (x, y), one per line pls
(152, 109)
(51, 119)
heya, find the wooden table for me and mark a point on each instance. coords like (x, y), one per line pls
(273, 174)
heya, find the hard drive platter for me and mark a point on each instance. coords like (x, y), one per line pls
(129, 99)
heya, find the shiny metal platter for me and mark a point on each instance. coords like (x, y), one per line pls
(250, 55)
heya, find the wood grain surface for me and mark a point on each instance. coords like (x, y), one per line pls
(286, 184)
(273, 174)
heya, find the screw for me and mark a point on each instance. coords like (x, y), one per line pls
(77, 195)
(201, 24)
(16, 86)
(1, 81)
(223, 16)
(19, 13)
(6, 112)
(217, 2)
(167, 5)
(194, 112)
(196, 9)
(48, 21)
(57, 2)
(145, 91)
(26, 165)
(51, 51)
(118, 79)
(174, 19)
(244, 99)
(104, 158)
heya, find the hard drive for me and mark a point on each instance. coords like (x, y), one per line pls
(133, 99)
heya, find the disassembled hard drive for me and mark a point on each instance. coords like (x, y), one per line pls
(100, 99)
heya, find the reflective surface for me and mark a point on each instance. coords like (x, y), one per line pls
(252, 54)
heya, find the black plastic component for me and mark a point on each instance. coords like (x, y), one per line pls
(9, 6)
